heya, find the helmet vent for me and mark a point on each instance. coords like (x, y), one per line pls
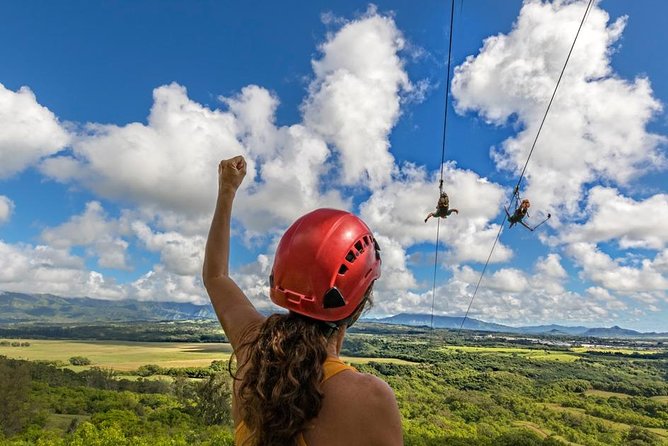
(359, 246)
(343, 269)
(350, 256)
(333, 299)
(377, 247)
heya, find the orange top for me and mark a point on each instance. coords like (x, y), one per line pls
(332, 366)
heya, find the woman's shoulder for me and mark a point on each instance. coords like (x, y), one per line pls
(364, 406)
(369, 391)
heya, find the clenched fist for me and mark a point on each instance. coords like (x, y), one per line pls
(231, 173)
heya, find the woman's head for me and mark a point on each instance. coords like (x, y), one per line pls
(324, 265)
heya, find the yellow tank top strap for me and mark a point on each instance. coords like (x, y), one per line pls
(333, 366)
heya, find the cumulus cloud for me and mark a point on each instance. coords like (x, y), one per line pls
(631, 223)
(161, 285)
(512, 296)
(6, 208)
(43, 269)
(611, 274)
(95, 231)
(29, 131)
(181, 255)
(597, 126)
(354, 100)
(290, 184)
(170, 163)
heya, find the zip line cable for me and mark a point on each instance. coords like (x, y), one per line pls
(447, 91)
(533, 146)
(445, 126)
(433, 288)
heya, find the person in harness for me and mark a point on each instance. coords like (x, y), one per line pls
(521, 212)
(442, 208)
(290, 385)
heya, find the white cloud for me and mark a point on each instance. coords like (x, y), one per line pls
(396, 276)
(170, 163)
(6, 208)
(611, 274)
(161, 285)
(180, 255)
(29, 131)
(596, 128)
(42, 269)
(290, 183)
(604, 297)
(509, 296)
(93, 230)
(354, 99)
(631, 223)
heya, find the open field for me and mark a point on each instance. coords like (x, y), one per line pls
(624, 351)
(530, 353)
(122, 356)
(127, 356)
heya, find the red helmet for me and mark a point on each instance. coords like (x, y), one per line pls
(324, 264)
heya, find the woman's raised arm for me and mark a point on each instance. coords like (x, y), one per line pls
(235, 312)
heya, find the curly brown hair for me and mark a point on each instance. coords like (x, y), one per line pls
(280, 390)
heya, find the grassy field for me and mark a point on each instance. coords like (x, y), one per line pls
(122, 356)
(530, 353)
(625, 351)
(127, 356)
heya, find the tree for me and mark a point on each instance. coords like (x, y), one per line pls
(79, 360)
(214, 400)
(15, 410)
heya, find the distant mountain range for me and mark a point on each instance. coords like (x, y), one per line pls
(18, 307)
(47, 308)
(474, 324)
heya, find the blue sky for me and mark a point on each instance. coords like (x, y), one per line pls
(115, 115)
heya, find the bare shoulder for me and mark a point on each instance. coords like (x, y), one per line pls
(370, 411)
(372, 392)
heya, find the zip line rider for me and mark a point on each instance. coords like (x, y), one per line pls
(290, 386)
(442, 208)
(521, 212)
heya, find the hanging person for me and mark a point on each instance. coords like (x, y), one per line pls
(519, 214)
(442, 208)
(290, 386)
